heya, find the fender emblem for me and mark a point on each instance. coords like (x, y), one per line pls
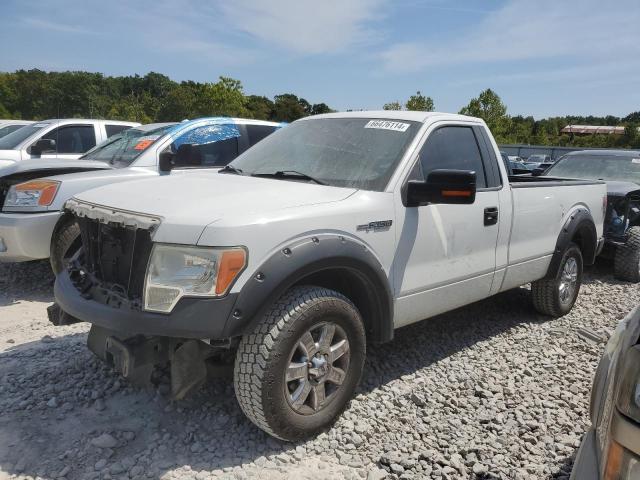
(375, 226)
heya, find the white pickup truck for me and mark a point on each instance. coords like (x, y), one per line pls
(60, 139)
(9, 126)
(332, 232)
(31, 211)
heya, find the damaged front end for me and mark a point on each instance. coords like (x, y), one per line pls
(103, 284)
(136, 357)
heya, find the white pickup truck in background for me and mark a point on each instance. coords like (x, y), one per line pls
(61, 139)
(30, 211)
(330, 233)
(9, 126)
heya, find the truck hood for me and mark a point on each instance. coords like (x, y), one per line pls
(74, 183)
(621, 189)
(187, 203)
(49, 165)
(7, 157)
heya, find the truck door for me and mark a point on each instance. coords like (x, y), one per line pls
(446, 254)
(72, 141)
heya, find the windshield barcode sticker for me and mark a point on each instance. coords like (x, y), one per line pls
(387, 125)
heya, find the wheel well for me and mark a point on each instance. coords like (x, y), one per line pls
(584, 237)
(361, 291)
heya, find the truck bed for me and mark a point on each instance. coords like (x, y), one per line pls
(528, 181)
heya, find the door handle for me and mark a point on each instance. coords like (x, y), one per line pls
(490, 216)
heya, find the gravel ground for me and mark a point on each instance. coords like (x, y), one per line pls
(492, 390)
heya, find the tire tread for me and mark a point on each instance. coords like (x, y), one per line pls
(257, 347)
(627, 258)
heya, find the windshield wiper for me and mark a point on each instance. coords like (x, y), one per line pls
(290, 174)
(230, 169)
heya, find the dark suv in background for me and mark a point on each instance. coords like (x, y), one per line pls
(620, 169)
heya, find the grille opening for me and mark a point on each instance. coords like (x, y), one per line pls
(115, 257)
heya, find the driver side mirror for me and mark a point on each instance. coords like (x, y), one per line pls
(443, 187)
(165, 161)
(186, 156)
(43, 145)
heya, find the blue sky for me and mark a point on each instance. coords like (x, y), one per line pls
(543, 57)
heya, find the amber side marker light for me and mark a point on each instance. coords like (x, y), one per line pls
(614, 461)
(231, 263)
(456, 193)
(47, 188)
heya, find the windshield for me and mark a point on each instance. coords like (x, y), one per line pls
(7, 129)
(12, 140)
(123, 148)
(598, 167)
(343, 152)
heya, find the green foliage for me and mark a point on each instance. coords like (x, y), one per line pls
(288, 107)
(490, 108)
(419, 103)
(35, 94)
(392, 106)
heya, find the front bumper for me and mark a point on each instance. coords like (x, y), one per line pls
(190, 318)
(26, 236)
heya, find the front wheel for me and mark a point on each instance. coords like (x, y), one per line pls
(296, 371)
(626, 264)
(556, 296)
(64, 243)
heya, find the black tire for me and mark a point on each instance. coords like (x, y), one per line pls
(64, 243)
(626, 264)
(265, 356)
(546, 293)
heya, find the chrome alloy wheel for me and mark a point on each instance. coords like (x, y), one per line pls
(317, 368)
(568, 280)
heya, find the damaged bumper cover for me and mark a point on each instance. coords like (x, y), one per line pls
(191, 317)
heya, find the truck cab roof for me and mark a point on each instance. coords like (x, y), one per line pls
(413, 116)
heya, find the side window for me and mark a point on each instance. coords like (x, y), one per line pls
(455, 148)
(258, 132)
(73, 138)
(216, 145)
(113, 129)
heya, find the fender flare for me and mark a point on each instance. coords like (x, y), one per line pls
(581, 227)
(308, 256)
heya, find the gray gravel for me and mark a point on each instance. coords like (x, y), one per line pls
(492, 390)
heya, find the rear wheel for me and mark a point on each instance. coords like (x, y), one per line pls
(626, 264)
(64, 243)
(556, 296)
(297, 370)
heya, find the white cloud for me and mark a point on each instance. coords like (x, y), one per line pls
(531, 30)
(305, 26)
(55, 26)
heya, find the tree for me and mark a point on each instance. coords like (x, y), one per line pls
(419, 103)
(288, 108)
(490, 108)
(259, 107)
(392, 106)
(319, 108)
(225, 98)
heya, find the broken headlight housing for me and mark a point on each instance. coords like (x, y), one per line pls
(177, 271)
